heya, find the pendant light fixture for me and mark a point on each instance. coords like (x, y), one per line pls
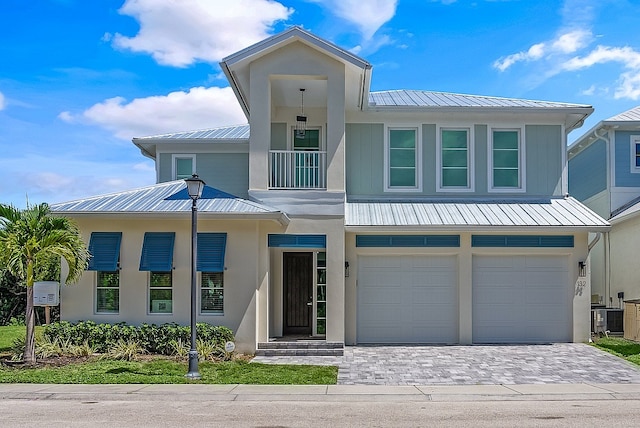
(301, 120)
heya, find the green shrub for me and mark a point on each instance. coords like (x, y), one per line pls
(152, 338)
(125, 350)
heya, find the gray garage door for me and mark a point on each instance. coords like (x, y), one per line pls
(407, 299)
(521, 299)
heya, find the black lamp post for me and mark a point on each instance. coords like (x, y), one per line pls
(194, 187)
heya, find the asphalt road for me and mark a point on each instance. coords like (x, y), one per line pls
(304, 412)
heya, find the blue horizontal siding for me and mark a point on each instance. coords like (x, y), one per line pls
(297, 241)
(389, 241)
(546, 241)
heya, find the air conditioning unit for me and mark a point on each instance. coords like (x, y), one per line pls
(161, 306)
(607, 320)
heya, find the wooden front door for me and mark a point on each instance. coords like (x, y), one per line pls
(298, 293)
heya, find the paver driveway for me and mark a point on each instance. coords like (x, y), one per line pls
(473, 365)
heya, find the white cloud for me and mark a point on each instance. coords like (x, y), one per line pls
(565, 43)
(198, 108)
(628, 82)
(179, 33)
(368, 15)
(3, 103)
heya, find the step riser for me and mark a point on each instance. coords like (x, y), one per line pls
(301, 345)
(300, 352)
(300, 348)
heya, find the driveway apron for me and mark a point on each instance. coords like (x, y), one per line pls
(473, 365)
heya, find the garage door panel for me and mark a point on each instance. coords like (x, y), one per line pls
(422, 302)
(521, 299)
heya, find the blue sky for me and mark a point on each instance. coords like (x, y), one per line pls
(80, 78)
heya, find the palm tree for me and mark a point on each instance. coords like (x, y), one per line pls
(29, 239)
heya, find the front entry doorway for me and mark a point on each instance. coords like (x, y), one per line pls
(298, 293)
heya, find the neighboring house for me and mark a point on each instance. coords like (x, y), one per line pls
(348, 215)
(604, 173)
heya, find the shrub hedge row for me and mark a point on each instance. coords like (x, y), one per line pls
(155, 339)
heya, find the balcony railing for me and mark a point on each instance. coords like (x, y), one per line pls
(298, 170)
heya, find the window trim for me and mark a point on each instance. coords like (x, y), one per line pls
(97, 281)
(470, 160)
(522, 188)
(200, 311)
(418, 158)
(174, 159)
(634, 141)
(149, 288)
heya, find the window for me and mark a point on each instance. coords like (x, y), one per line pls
(454, 160)
(402, 158)
(108, 292)
(104, 248)
(212, 293)
(160, 293)
(321, 293)
(184, 166)
(635, 153)
(310, 141)
(506, 160)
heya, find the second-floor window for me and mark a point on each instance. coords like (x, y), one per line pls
(506, 160)
(402, 159)
(635, 153)
(455, 159)
(183, 166)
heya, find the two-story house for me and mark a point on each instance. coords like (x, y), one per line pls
(350, 216)
(604, 173)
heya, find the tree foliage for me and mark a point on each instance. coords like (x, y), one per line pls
(32, 242)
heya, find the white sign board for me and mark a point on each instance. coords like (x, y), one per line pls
(229, 347)
(46, 293)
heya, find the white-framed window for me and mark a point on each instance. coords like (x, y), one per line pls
(403, 169)
(506, 160)
(635, 153)
(455, 160)
(108, 292)
(183, 166)
(160, 293)
(212, 293)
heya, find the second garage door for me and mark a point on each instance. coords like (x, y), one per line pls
(407, 299)
(521, 299)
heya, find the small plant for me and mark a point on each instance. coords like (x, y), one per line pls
(17, 348)
(84, 350)
(125, 350)
(179, 348)
(47, 348)
(205, 350)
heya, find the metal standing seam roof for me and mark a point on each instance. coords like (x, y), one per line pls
(157, 199)
(416, 98)
(631, 115)
(238, 132)
(550, 213)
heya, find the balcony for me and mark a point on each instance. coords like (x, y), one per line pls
(298, 169)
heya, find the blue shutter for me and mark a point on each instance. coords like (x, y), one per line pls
(297, 241)
(157, 251)
(540, 241)
(211, 249)
(407, 241)
(104, 248)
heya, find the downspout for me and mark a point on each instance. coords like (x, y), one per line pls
(607, 254)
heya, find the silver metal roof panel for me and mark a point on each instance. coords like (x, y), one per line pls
(165, 198)
(631, 115)
(554, 213)
(238, 132)
(416, 98)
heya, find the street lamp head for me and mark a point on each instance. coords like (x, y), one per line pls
(194, 187)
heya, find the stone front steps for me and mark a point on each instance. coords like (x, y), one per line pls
(300, 347)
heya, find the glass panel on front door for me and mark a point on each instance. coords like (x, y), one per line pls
(321, 293)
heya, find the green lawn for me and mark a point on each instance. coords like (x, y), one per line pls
(159, 370)
(166, 371)
(9, 333)
(623, 348)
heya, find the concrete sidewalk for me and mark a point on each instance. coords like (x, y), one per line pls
(321, 393)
